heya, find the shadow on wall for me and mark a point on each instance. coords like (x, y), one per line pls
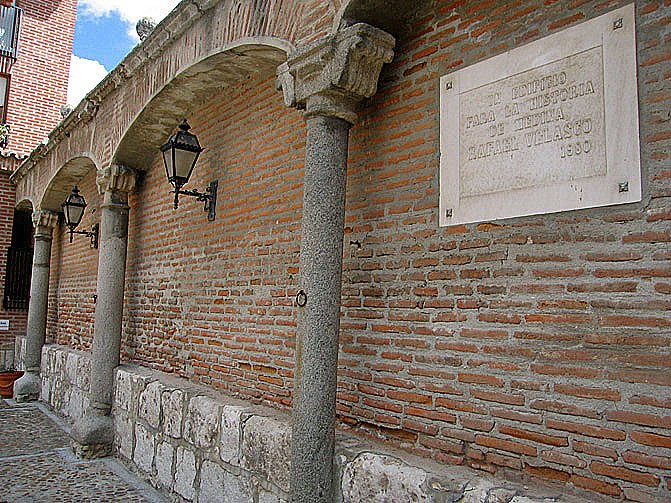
(43, 10)
(392, 16)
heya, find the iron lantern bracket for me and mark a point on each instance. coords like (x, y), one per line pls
(93, 234)
(209, 197)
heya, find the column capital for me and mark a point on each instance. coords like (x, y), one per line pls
(331, 76)
(116, 178)
(45, 218)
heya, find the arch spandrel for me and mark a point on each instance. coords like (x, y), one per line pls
(213, 43)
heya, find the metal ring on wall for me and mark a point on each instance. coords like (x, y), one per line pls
(301, 298)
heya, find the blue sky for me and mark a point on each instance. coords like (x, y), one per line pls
(101, 38)
(104, 34)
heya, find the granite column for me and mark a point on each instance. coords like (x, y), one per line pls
(28, 386)
(93, 434)
(327, 79)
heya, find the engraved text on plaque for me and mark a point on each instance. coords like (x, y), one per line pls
(540, 129)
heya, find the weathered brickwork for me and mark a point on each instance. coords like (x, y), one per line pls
(39, 77)
(38, 88)
(17, 318)
(235, 327)
(72, 294)
(536, 344)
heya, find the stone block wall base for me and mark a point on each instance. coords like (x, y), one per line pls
(91, 451)
(199, 445)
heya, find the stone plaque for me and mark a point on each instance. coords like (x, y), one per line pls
(550, 126)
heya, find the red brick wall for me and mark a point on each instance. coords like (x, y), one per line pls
(17, 318)
(39, 77)
(73, 276)
(38, 88)
(538, 344)
(214, 300)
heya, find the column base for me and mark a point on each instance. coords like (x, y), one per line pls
(93, 451)
(27, 387)
(93, 436)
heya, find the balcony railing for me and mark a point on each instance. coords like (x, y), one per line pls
(17, 278)
(10, 24)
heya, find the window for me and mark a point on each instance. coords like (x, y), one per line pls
(4, 94)
(10, 26)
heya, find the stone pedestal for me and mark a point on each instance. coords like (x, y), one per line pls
(93, 434)
(328, 79)
(28, 386)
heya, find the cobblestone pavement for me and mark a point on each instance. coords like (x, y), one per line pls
(37, 465)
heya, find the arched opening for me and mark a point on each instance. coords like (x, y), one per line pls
(18, 266)
(73, 267)
(230, 100)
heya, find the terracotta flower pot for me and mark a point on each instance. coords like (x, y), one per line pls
(7, 379)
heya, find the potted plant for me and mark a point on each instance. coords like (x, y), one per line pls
(4, 134)
(7, 378)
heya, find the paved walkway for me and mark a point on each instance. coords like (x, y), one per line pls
(38, 466)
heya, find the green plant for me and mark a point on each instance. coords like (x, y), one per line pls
(4, 134)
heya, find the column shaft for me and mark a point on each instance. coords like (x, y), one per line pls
(328, 79)
(109, 306)
(313, 431)
(39, 295)
(28, 386)
(93, 434)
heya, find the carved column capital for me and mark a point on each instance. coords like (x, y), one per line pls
(116, 178)
(332, 75)
(45, 218)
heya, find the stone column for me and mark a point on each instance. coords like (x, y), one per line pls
(93, 434)
(328, 79)
(28, 386)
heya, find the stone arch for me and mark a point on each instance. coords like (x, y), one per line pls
(25, 204)
(388, 15)
(240, 60)
(22, 224)
(184, 42)
(64, 179)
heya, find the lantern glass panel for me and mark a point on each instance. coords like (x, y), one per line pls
(184, 163)
(169, 166)
(73, 215)
(73, 208)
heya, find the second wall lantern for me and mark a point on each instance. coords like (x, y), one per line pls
(73, 209)
(180, 154)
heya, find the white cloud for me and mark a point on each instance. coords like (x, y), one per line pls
(130, 11)
(86, 73)
(84, 76)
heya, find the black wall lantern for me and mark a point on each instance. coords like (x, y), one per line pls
(180, 154)
(73, 209)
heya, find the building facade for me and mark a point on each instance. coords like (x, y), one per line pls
(35, 52)
(535, 345)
